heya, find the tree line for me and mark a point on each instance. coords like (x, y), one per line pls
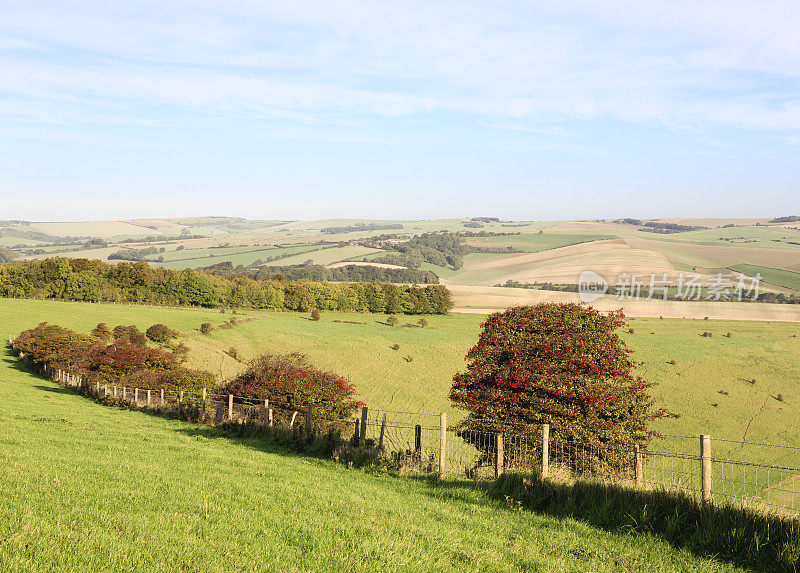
(96, 281)
(346, 273)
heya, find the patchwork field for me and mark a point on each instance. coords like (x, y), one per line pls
(609, 259)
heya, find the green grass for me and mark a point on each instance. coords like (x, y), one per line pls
(762, 351)
(778, 277)
(192, 258)
(94, 488)
(535, 243)
(747, 237)
(327, 256)
(705, 367)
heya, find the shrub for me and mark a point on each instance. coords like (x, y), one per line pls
(161, 333)
(131, 332)
(395, 346)
(673, 362)
(729, 335)
(102, 332)
(422, 322)
(180, 353)
(779, 397)
(560, 364)
(233, 353)
(205, 328)
(392, 320)
(408, 358)
(289, 381)
(631, 331)
(707, 335)
(315, 314)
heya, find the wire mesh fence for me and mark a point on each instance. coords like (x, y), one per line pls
(427, 444)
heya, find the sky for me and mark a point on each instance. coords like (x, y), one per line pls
(399, 110)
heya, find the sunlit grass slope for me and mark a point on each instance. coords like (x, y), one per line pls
(710, 385)
(85, 487)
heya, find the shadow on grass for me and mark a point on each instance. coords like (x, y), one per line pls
(737, 535)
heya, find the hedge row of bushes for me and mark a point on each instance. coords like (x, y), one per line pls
(288, 381)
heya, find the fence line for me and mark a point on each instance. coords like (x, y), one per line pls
(688, 464)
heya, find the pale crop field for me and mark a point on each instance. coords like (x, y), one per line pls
(104, 229)
(477, 297)
(564, 265)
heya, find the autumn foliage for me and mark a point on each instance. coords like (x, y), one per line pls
(561, 364)
(290, 382)
(121, 362)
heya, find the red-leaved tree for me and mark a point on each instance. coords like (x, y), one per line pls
(290, 382)
(560, 364)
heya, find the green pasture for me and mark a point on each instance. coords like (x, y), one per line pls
(327, 256)
(244, 255)
(747, 237)
(778, 277)
(85, 487)
(710, 385)
(534, 243)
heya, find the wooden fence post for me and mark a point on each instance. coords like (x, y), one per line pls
(499, 461)
(442, 444)
(705, 467)
(124, 393)
(230, 407)
(417, 442)
(136, 396)
(637, 465)
(271, 421)
(383, 431)
(545, 450)
(362, 438)
(162, 397)
(309, 421)
(149, 398)
(203, 413)
(291, 424)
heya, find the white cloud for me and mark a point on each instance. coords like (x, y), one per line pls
(732, 64)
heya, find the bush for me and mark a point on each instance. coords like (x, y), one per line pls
(315, 314)
(422, 322)
(131, 333)
(290, 382)
(395, 346)
(205, 328)
(560, 364)
(233, 353)
(102, 332)
(161, 333)
(392, 320)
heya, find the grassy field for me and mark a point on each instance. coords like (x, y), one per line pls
(244, 255)
(533, 243)
(779, 277)
(87, 487)
(761, 351)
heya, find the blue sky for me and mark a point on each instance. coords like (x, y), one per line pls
(299, 110)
